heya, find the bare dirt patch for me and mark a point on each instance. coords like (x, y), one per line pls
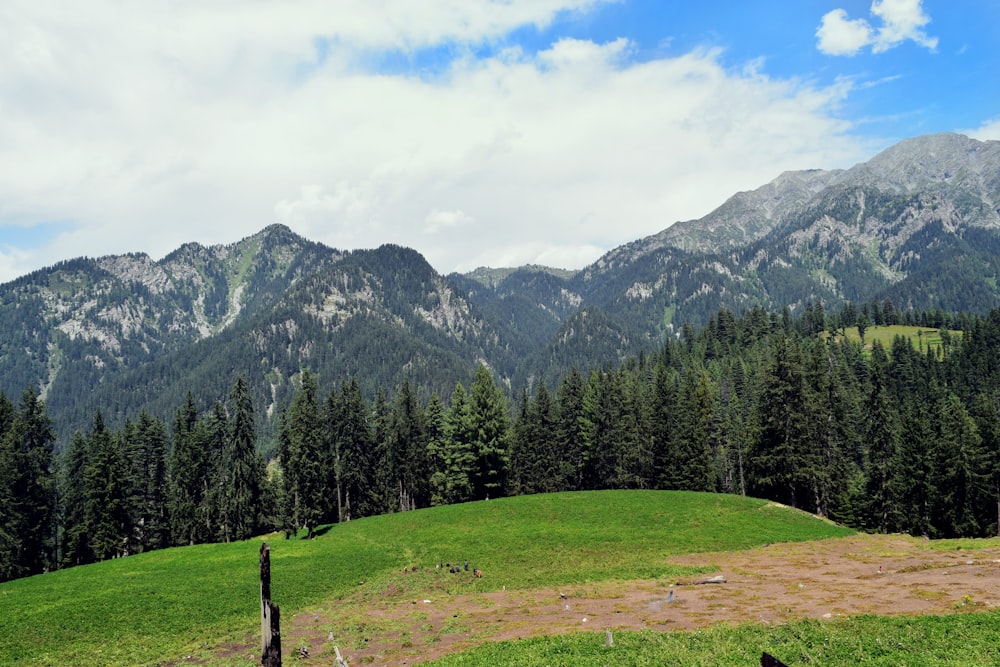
(425, 615)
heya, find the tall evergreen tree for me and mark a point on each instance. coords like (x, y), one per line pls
(244, 467)
(987, 415)
(150, 467)
(600, 410)
(128, 444)
(346, 417)
(438, 448)
(212, 437)
(189, 472)
(75, 548)
(633, 458)
(544, 414)
(460, 459)
(833, 415)
(910, 474)
(383, 483)
(571, 430)
(409, 446)
(106, 482)
(960, 468)
(664, 430)
(534, 453)
(881, 442)
(491, 424)
(782, 467)
(695, 469)
(27, 489)
(302, 457)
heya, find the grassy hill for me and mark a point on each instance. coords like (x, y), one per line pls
(166, 605)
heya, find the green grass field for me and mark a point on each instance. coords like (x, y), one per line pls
(922, 338)
(965, 640)
(165, 605)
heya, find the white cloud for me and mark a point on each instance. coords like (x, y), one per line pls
(342, 217)
(151, 126)
(990, 130)
(841, 36)
(901, 21)
(437, 221)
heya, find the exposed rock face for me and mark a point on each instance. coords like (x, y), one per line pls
(949, 171)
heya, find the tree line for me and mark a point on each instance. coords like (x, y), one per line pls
(897, 438)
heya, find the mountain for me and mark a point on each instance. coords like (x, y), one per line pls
(917, 226)
(127, 333)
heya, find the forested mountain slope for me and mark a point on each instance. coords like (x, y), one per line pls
(918, 226)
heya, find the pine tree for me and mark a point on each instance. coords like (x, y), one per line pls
(910, 471)
(460, 459)
(349, 432)
(151, 467)
(545, 432)
(534, 455)
(571, 430)
(287, 518)
(302, 457)
(664, 430)
(384, 480)
(106, 498)
(438, 447)
(409, 447)
(694, 466)
(600, 410)
(833, 415)
(27, 489)
(633, 459)
(881, 442)
(734, 437)
(76, 548)
(244, 467)
(781, 465)
(212, 437)
(987, 417)
(128, 444)
(491, 424)
(960, 471)
(189, 471)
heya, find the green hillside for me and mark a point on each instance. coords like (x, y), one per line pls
(165, 605)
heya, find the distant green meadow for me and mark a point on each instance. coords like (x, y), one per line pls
(922, 338)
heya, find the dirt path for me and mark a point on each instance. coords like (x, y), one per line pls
(773, 584)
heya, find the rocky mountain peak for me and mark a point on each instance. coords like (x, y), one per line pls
(935, 161)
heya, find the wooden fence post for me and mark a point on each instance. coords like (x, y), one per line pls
(270, 629)
(768, 660)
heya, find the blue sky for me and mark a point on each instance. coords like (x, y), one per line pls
(479, 132)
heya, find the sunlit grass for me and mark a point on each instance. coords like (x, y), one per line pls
(921, 338)
(166, 604)
(926, 641)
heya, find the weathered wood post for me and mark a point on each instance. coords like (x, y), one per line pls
(768, 660)
(270, 629)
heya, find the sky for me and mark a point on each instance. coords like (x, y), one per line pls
(479, 132)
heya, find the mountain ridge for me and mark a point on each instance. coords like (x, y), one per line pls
(918, 224)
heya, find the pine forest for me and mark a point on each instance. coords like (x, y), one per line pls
(884, 435)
